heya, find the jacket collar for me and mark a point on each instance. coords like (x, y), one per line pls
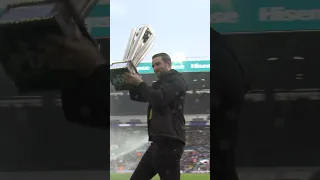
(169, 74)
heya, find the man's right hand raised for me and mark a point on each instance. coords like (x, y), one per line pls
(79, 56)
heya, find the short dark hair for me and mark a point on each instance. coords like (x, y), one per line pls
(164, 56)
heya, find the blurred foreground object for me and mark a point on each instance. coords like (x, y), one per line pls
(23, 29)
(139, 44)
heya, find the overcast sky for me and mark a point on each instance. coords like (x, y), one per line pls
(181, 26)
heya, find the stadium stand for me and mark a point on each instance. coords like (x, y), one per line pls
(35, 121)
(129, 121)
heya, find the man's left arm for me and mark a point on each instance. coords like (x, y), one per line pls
(167, 92)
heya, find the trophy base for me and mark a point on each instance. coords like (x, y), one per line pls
(117, 71)
(22, 41)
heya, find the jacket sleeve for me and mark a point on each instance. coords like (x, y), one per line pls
(135, 95)
(86, 101)
(167, 92)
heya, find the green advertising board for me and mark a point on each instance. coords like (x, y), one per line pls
(184, 66)
(98, 21)
(232, 16)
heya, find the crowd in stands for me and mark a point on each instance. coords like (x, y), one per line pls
(124, 157)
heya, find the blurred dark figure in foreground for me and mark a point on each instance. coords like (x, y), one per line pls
(86, 99)
(228, 88)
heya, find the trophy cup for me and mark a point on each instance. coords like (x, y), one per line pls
(24, 25)
(139, 44)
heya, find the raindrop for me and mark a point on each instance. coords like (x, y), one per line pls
(21, 116)
(136, 97)
(85, 111)
(224, 145)
(279, 123)
(231, 115)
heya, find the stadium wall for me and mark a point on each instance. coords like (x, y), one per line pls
(98, 21)
(234, 16)
(143, 118)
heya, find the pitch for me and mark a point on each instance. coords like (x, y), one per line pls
(121, 176)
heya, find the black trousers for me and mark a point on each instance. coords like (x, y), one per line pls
(163, 158)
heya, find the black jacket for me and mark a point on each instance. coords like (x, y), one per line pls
(87, 101)
(228, 88)
(166, 104)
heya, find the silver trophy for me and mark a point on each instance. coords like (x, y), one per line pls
(24, 25)
(139, 44)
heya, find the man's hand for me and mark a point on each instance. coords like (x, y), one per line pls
(79, 56)
(134, 79)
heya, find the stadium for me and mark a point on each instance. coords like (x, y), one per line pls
(48, 143)
(38, 121)
(128, 123)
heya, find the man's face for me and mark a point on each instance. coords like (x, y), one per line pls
(160, 67)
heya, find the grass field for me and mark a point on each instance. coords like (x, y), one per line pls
(183, 177)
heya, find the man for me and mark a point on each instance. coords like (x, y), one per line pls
(228, 89)
(165, 120)
(86, 101)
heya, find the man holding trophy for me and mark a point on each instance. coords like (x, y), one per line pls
(165, 110)
(165, 97)
(55, 47)
(165, 120)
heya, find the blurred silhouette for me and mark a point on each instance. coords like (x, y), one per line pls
(228, 88)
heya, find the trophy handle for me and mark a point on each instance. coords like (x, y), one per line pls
(139, 44)
(87, 8)
(143, 51)
(138, 41)
(79, 16)
(136, 71)
(130, 43)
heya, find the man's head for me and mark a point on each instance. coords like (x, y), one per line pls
(161, 64)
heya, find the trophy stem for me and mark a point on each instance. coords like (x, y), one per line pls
(87, 8)
(143, 55)
(143, 51)
(129, 45)
(138, 42)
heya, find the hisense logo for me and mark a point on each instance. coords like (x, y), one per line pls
(282, 14)
(225, 4)
(224, 17)
(178, 66)
(143, 68)
(200, 66)
(223, 11)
